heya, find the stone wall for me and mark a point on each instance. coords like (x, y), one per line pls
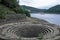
(16, 16)
(13, 18)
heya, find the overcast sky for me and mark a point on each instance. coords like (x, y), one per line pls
(39, 3)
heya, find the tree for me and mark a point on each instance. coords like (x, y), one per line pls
(10, 3)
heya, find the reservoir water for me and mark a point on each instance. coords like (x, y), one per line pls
(52, 18)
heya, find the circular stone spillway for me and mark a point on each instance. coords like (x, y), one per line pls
(17, 30)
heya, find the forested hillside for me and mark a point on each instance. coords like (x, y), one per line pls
(11, 7)
(33, 10)
(55, 9)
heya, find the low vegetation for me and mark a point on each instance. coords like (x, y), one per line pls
(40, 37)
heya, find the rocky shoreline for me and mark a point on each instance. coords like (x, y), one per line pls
(10, 28)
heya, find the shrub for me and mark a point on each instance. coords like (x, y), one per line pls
(2, 16)
(10, 3)
(27, 13)
(19, 9)
(40, 36)
(2, 12)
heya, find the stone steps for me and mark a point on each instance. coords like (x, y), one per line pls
(19, 29)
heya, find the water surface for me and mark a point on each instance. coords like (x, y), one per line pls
(52, 18)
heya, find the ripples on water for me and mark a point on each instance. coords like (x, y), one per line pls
(52, 18)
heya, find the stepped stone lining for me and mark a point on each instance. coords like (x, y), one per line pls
(17, 30)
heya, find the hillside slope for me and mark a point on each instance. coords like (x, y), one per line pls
(33, 10)
(55, 9)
